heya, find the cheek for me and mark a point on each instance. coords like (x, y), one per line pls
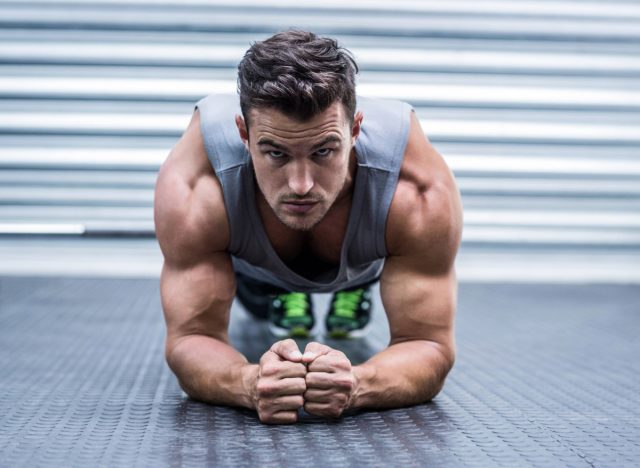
(270, 182)
(330, 181)
(337, 173)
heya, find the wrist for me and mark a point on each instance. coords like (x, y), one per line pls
(364, 375)
(248, 380)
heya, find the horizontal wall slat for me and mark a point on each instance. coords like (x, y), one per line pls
(535, 105)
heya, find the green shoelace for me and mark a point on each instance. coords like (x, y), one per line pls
(346, 303)
(295, 304)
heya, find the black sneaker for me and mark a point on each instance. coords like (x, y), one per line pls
(349, 314)
(291, 314)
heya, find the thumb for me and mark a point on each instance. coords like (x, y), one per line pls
(287, 350)
(313, 350)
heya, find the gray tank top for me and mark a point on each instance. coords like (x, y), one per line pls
(379, 151)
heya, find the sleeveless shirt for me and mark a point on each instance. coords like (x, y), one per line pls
(379, 152)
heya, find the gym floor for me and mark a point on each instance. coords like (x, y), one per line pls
(547, 375)
(535, 106)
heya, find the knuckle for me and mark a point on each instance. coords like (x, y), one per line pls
(264, 388)
(311, 395)
(279, 346)
(296, 367)
(275, 346)
(310, 379)
(319, 362)
(266, 357)
(344, 383)
(322, 358)
(288, 343)
(264, 417)
(315, 346)
(299, 385)
(269, 368)
(340, 357)
(319, 382)
(311, 346)
(344, 364)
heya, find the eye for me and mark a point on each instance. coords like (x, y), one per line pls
(327, 153)
(276, 154)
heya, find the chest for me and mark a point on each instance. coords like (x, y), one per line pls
(309, 253)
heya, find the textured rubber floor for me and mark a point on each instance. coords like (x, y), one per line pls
(546, 376)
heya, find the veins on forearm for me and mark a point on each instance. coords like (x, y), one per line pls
(405, 373)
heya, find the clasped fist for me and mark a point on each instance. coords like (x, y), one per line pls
(280, 384)
(330, 381)
(320, 380)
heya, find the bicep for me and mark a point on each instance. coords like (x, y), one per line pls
(418, 284)
(197, 283)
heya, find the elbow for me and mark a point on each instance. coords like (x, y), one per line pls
(171, 354)
(444, 366)
(176, 362)
(432, 389)
(447, 360)
(190, 392)
(176, 359)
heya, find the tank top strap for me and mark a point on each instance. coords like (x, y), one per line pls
(220, 133)
(381, 146)
(230, 161)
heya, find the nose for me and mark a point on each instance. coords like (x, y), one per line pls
(300, 178)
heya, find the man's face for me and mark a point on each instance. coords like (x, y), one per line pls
(301, 167)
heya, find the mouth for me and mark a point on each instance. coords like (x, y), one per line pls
(300, 206)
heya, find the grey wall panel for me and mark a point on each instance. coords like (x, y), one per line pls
(534, 105)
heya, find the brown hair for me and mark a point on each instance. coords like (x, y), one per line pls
(297, 73)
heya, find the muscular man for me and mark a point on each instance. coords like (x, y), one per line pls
(310, 189)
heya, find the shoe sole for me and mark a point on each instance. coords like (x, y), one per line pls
(345, 335)
(296, 332)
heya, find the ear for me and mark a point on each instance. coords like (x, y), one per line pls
(242, 129)
(357, 123)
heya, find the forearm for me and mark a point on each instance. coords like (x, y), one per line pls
(212, 371)
(404, 374)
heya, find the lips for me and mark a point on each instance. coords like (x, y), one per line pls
(300, 202)
(299, 206)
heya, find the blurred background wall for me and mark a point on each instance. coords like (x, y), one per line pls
(535, 105)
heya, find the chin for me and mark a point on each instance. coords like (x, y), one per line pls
(300, 223)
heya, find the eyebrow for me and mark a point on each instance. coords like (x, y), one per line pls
(267, 141)
(329, 139)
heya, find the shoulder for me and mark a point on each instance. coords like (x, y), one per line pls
(189, 212)
(425, 217)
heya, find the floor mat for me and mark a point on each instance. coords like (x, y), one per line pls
(546, 375)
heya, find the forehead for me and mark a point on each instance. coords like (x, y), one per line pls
(272, 122)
